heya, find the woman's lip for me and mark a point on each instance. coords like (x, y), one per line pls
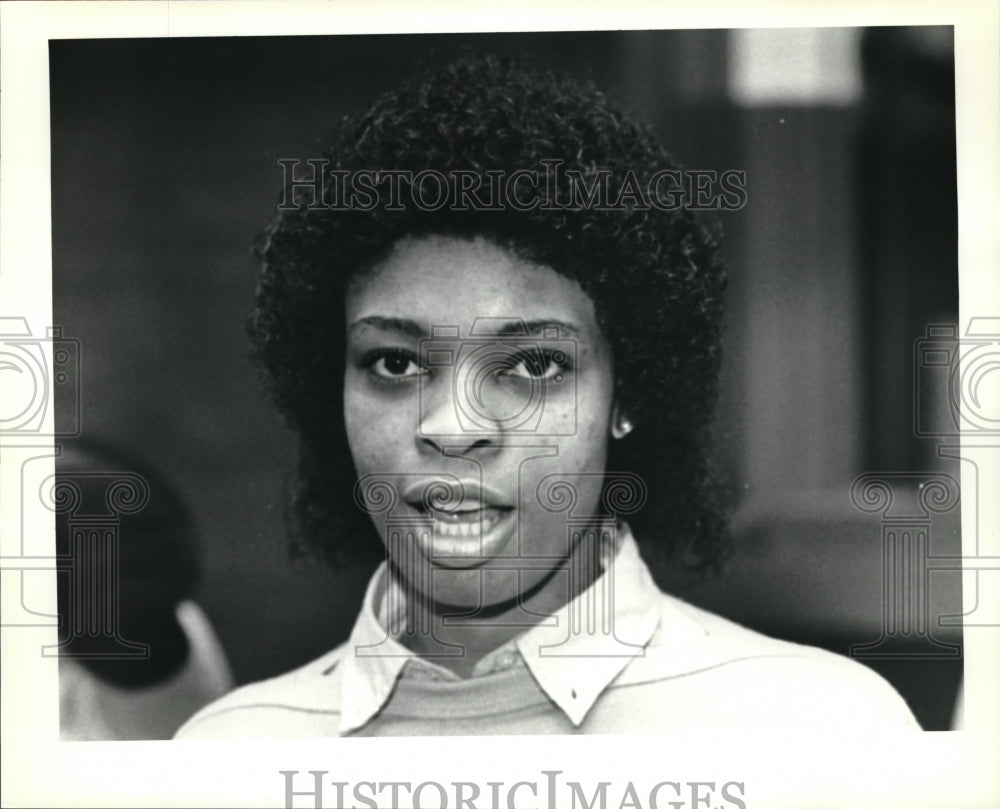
(451, 494)
(481, 513)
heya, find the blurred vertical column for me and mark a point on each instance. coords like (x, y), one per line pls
(908, 199)
(794, 339)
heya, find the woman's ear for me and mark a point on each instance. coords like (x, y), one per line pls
(621, 424)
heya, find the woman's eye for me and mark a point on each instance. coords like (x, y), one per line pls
(393, 365)
(539, 365)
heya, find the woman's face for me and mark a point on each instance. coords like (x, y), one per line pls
(474, 369)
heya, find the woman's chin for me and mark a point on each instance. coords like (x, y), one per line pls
(483, 591)
(474, 589)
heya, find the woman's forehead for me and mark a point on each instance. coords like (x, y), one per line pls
(443, 280)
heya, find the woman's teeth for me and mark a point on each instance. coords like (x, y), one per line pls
(464, 523)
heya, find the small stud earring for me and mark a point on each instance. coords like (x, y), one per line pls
(621, 428)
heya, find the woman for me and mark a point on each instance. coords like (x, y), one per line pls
(495, 329)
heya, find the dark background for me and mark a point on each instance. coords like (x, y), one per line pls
(164, 168)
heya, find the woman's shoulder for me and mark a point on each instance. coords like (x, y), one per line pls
(717, 673)
(302, 702)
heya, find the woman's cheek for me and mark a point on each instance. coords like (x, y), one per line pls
(358, 423)
(377, 431)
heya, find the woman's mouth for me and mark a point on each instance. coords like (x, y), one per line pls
(470, 521)
(466, 537)
(469, 525)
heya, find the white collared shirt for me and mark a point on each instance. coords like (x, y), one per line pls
(572, 655)
(622, 657)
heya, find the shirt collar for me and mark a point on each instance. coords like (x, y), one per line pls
(372, 661)
(595, 635)
(573, 655)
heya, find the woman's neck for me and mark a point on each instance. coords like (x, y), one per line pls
(458, 637)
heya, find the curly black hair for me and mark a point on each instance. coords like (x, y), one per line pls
(653, 274)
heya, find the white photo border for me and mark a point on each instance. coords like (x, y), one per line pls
(908, 770)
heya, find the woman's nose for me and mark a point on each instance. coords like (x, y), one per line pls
(451, 421)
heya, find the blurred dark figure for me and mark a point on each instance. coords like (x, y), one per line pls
(137, 654)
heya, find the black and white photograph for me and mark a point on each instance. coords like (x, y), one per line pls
(608, 414)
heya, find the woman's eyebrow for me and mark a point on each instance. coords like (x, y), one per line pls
(409, 328)
(535, 328)
(512, 327)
